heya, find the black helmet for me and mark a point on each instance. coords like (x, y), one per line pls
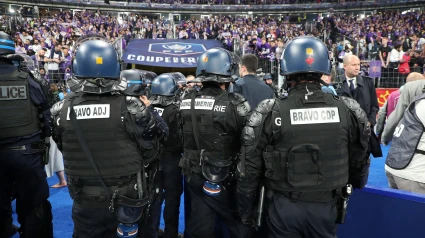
(164, 85)
(137, 80)
(217, 65)
(7, 46)
(305, 54)
(267, 76)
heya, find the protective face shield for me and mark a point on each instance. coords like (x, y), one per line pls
(305, 54)
(7, 46)
(22, 60)
(137, 81)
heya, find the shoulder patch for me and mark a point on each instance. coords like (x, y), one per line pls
(265, 106)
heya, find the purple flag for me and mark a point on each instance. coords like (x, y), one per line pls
(375, 69)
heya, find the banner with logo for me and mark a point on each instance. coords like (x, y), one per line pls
(167, 53)
(375, 69)
(383, 93)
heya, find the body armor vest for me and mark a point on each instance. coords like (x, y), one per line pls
(406, 138)
(18, 115)
(101, 120)
(310, 146)
(215, 138)
(173, 144)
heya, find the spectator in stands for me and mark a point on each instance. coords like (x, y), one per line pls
(53, 58)
(384, 52)
(19, 46)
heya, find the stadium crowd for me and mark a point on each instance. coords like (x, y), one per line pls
(265, 36)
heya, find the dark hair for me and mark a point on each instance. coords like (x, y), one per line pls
(250, 61)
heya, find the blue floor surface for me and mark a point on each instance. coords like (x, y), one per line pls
(62, 203)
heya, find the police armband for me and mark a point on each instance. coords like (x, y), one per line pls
(361, 117)
(241, 104)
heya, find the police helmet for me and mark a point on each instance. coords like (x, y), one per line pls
(7, 46)
(217, 65)
(22, 60)
(137, 80)
(164, 85)
(305, 54)
(267, 76)
(96, 59)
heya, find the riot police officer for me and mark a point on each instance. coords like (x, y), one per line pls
(24, 125)
(138, 81)
(212, 120)
(268, 79)
(109, 142)
(310, 144)
(170, 184)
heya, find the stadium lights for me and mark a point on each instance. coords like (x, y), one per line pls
(362, 16)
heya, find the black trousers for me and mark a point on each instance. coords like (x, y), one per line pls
(204, 209)
(296, 219)
(170, 188)
(24, 170)
(93, 222)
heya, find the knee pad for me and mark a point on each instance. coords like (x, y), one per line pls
(38, 224)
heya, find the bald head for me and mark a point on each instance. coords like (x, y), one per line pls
(349, 59)
(351, 66)
(414, 76)
(190, 78)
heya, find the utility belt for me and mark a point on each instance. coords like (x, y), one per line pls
(314, 196)
(340, 196)
(91, 192)
(208, 164)
(33, 146)
(40, 147)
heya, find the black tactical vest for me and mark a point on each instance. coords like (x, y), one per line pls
(310, 146)
(101, 120)
(169, 114)
(214, 138)
(18, 115)
(406, 138)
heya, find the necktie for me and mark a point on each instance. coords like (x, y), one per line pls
(352, 85)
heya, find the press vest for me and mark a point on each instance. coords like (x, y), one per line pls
(214, 137)
(310, 147)
(18, 115)
(101, 120)
(406, 138)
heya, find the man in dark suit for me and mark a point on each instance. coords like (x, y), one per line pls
(362, 89)
(253, 90)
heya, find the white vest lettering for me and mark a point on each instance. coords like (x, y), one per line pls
(94, 111)
(200, 104)
(314, 115)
